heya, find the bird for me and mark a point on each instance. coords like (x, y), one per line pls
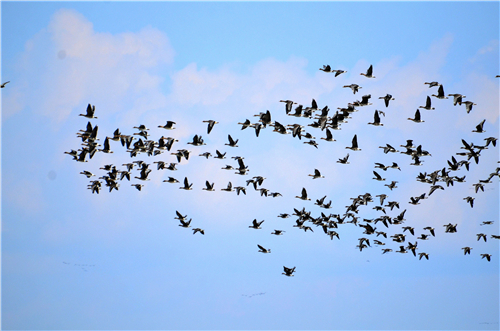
(481, 235)
(479, 127)
(211, 124)
(378, 177)
(87, 173)
(417, 117)
(329, 136)
(185, 224)
(431, 230)
(198, 230)
(421, 255)
(186, 186)
(263, 250)
(457, 98)
(232, 143)
(3, 85)
(353, 87)
(255, 224)
(468, 105)
(440, 94)
(210, 187)
(229, 188)
(106, 146)
(288, 105)
(369, 72)
(245, 124)
(466, 250)
(317, 174)
(138, 186)
(168, 126)
(354, 146)
(171, 180)
(338, 72)
(219, 155)
(90, 112)
(469, 200)
(432, 84)
(278, 232)
(487, 256)
(427, 104)
(288, 271)
(344, 160)
(376, 119)
(304, 195)
(387, 98)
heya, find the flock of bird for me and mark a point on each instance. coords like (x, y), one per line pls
(323, 121)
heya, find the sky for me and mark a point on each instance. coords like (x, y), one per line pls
(74, 260)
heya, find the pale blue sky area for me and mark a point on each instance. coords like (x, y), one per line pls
(74, 260)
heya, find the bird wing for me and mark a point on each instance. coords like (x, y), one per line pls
(262, 248)
(304, 193)
(355, 141)
(377, 175)
(231, 141)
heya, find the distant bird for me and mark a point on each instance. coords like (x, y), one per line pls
(481, 235)
(232, 143)
(138, 186)
(387, 98)
(417, 117)
(317, 174)
(211, 124)
(432, 84)
(329, 136)
(479, 127)
(353, 87)
(168, 126)
(354, 146)
(90, 112)
(369, 73)
(209, 187)
(469, 200)
(263, 250)
(457, 98)
(431, 230)
(487, 256)
(344, 160)
(376, 119)
(229, 188)
(198, 230)
(219, 155)
(3, 85)
(304, 195)
(87, 173)
(427, 104)
(468, 105)
(186, 186)
(106, 146)
(278, 232)
(440, 94)
(421, 255)
(466, 250)
(288, 271)
(338, 72)
(171, 180)
(185, 224)
(245, 124)
(255, 224)
(378, 177)
(288, 105)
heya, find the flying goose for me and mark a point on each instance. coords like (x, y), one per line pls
(369, 72)
(304, 195)
(245, 124)
(87, 173)
(263, 250)
(457, 98)
(469, 200)
(255, 224)
(106, 146)
(466, 250)
(185, 224)
(432, 84)
(378, 177)
(240, 189)
(168, 126)
(354, 146)
(232, 143)
(326, 68)
(440, 94)
(481, 235)
(229, 188)
(210, 187)
(468, 105)
(278, 232)
(479, 127)
(288, 271)
(288, 105)
(171, 180)
(329, 136)
(487, 256)
(3, 85)
(186, 186)
(417, 117)
(387, 98)
(421, 255)
(338, 72)
(211, 124)
(219, 155)
(353, 87)
(427, 104)
(138, 186)
(376, 119)
(198, 230)
(90, 112)
(344, 160)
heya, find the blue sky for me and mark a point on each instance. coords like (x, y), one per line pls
(118, 260)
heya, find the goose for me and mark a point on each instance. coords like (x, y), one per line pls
(210, 187)
(381, 166)
(376, 119)
(263, 250)
(185, 224)
(427, 104)
(392, 204)
(138, 186)
(232, 143)
(409, 144)
(466, 250)
(440, 94)
(432, 84)
(417, 117)
(144, 174)
(487, 256)
(491, 140)
(479, 127)
(171, 180)
(468, 105)
(240, 189)
(288, 105)
(255, 224)
(435, 187)
(344, 160)
(228, 167)
(493, 236)
(378, 177)
(87, 173)
(450, 228)
(386, 250)
(421, 255)
(245, 124)
(116, 135)
(486, 223)
(305, 228)
(369, 72)
(380, 233)
(423, 237)
(354, 146)
(90, 112)
(206, 154)
(469, 200)
(478, 186)
(332, 234)
(198, 230)
(338, 72)
(329, 136)
(220, 155)
(388, 148)
(417, 161)
(141, 127)
(391, 185)
(326, 68)
(263, 191)
(481, 235)
(412, 247)
(125, 174)
(387, 98)
(179, 216)
(171, 166)
(312, 143)
(168, 126)
(229, 188)
(304, 195)
(354, 87)
(197, 141)
(457, 98)
(186, 186)
(401, 250)
(211, 124)
(3, 85)
(288, 271)
(410, 229)
(106, 146)
(431, 230)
